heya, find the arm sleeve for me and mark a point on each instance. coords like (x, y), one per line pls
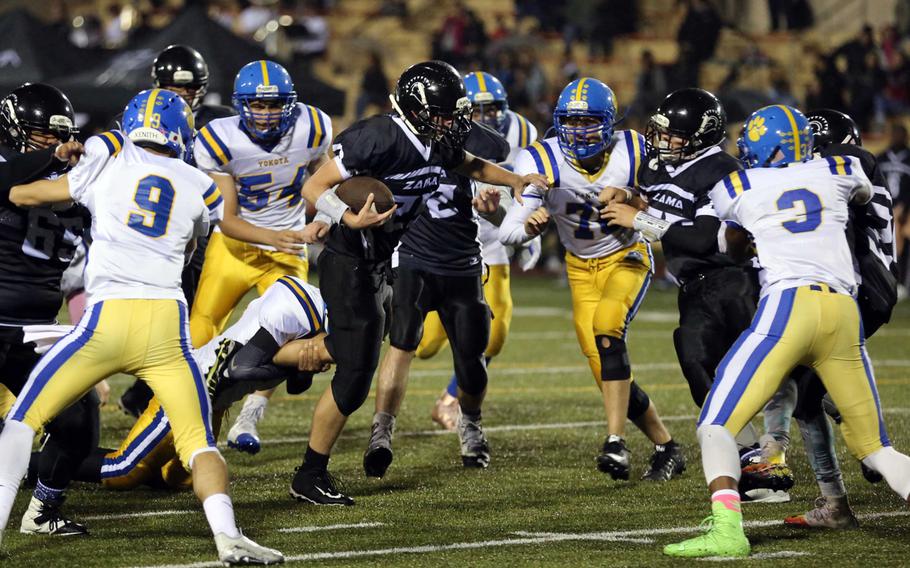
(214, 203)
(80, 178)
(722, 199)
(23, 168)
(205, 151)
(699, 238)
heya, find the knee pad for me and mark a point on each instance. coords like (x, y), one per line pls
(350, 390)
(614, 359)
(639, 402)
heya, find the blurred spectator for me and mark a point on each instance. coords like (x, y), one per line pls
(394, 9)
(856, 50)
(474, 37)
(252, 16)
(448, 42)
(796, 13)
(114, 33)
(865, 86)
(374, 87)
(697, 36)
(226, 13)
(780, 91)
(830, 85)
(502, 30)
(897, 89)
(895, 166)
(308, 35)
(902, 17)
(568, 68)
(650, 87)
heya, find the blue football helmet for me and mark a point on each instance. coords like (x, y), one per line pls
(265, 81)
(162, 118)
(590, 98)
(488, 97)
(773, 128)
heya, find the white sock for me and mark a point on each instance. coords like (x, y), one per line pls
(719, 456)
(15, 449)
(255, 400)
(894, 467)
(219, 511)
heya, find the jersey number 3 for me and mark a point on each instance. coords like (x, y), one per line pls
(810, 203)
(155, 198)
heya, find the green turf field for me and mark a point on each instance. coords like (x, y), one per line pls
(541, 502)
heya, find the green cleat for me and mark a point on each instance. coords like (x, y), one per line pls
(724, 537)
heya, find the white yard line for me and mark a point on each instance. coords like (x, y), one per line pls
(318, 528)
(165, 513)
(543, 369)
(760, 556)
(526, 538)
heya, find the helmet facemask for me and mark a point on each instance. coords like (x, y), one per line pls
(489, 112)
(582, 141)
(267, 124)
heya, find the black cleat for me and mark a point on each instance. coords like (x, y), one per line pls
(870, 474)
(135, 399)
(318, 488)
(776, 477)
(615, 457)
(666, 463)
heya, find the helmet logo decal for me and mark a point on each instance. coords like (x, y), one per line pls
(463, 105)
(267, 90)
(419, 90)
(60, 121)
(485, 97)
(709, 121)
(757, 128)
(661, 120)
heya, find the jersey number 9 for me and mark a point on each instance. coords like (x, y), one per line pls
(155, 198)
(811, 204)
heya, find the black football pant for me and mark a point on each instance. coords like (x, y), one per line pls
(72, 435)
(357, 296)
(714, 308)
(462, 310)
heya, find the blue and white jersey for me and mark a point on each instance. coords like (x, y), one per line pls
(269, 181)
(572, 199)
(145, 208)
(797, 216)
(290, 309)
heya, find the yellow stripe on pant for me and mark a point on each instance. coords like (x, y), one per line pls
(6, 400)
(145, 338)
(606, 294)
(811, 326)
(498, 295)
(230, 270)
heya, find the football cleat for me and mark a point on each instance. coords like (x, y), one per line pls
(243, 435)
(446, 412)
(829, 513)
(475, 450)
(615, 457)
(240, 551)
(666, 463)
(378, 457)
(724, 537)
(135, 399)
(870, 474)
(45, 517)
(318, 488)
(777, 477)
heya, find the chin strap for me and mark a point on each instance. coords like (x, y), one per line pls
(650, 226)
(402, 115)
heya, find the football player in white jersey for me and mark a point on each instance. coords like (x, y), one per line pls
(260, 160)
(490, 107)
(261, 350)
(795, 210)
(609, 269)
(148, 206)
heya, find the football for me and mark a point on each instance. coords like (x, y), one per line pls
(354, 193)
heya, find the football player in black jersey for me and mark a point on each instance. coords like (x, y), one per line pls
(717, 296)
(182, 70)
(36, 245)
(440, 269)
(410, 150)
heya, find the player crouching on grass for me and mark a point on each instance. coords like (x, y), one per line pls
(795, 209)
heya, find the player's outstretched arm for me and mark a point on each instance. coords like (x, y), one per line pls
(41, 192)
(488, 172)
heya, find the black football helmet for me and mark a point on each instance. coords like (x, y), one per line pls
(182, 66)
(430, 97)
(831, 126)
(693, 115)
(35, 107)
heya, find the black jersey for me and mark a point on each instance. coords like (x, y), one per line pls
(36, 246)
(680, 195)
(443, 238)
(873, 223)
(383, 147)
